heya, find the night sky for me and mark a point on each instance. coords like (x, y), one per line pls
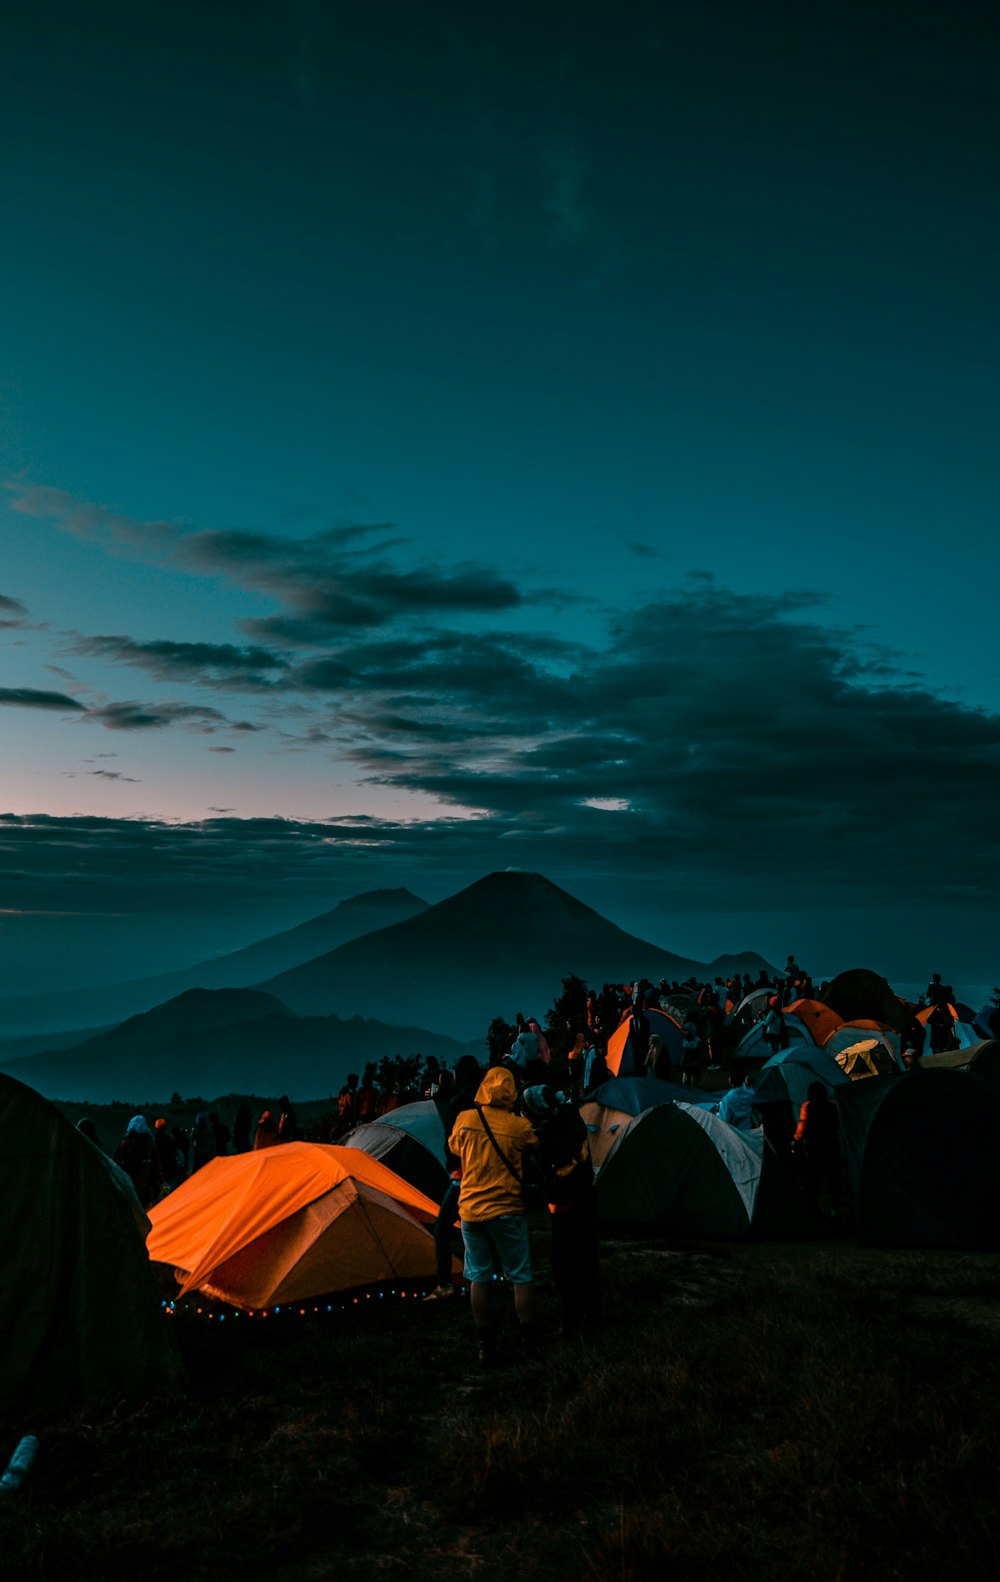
(441, 438)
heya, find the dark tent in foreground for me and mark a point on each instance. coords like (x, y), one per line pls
(921, 1152)
(410, 1141)
(80, 1310)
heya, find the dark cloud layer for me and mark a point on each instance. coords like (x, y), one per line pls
(31, 698)
(333, 581)
(210, 664)
(131, 716)
(739, 746)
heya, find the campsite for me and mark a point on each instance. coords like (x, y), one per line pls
(772, 1392)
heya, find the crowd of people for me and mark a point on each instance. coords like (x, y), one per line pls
(513, 1130)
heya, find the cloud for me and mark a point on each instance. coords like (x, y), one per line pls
(133, 716)
(332, 582)
(95, 523)
(208, 664)
(13, 614)
(113, 774)
(30, 698)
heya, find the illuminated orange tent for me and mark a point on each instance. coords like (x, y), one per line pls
(290, 1222)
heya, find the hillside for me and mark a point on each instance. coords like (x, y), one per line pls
(89, 1008)
(501, 945)
(218, 1041)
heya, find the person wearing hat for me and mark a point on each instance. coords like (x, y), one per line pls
(563, 1161)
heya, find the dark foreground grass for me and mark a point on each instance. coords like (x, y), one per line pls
(754, 1412)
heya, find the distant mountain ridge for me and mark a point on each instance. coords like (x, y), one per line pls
(73, 1009)
(502, 944)
(214, 1041)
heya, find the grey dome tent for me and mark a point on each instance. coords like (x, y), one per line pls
(410, 1141)
(685, 1171)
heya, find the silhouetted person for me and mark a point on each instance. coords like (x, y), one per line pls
(288, 1126)
(938, 993)
(468, 1076)
(220, 1133)
(563, 1162)
(171, 1163)
(242, 1140)
(136, 1153)
(266, 1135)
(817, 1141)
(86, 1126)
(203, 1144)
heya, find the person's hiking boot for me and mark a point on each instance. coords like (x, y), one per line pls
(440, 1293)
(489, 1354)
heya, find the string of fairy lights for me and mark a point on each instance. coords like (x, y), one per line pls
(191, 1308)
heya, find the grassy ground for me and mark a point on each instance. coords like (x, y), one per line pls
(802, 1410)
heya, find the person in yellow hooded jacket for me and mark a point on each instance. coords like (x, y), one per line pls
(490, 1142)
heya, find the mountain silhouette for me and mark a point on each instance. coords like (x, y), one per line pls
(208, 1042)
(502, 944)
(75, 1009)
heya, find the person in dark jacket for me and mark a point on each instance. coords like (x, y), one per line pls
(242, 1141)
(203, 1143)
(817, 1140)
(288, 1125)
(136, 1153)
(468, 1075)
(563, 1162)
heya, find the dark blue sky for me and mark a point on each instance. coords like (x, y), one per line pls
(446, 438)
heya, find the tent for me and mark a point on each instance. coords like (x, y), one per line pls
(862, 1030)
(80, 1309)
(816, 1018)
(632, 1094)
(752, 1046)
(626, 1061)
(752, 1007)
(987, 1019)
(782, 1087)
(409, 1141)
(982, 1057)
(921, 1156)
(684, 1170)
(860, 992)
(613, 1105)
(869, 1058)
(290, 1222)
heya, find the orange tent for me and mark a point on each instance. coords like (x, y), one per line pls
(924, 1016)
(817, 1019)
(286, 1223)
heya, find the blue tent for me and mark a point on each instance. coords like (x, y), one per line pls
(634, 1094)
